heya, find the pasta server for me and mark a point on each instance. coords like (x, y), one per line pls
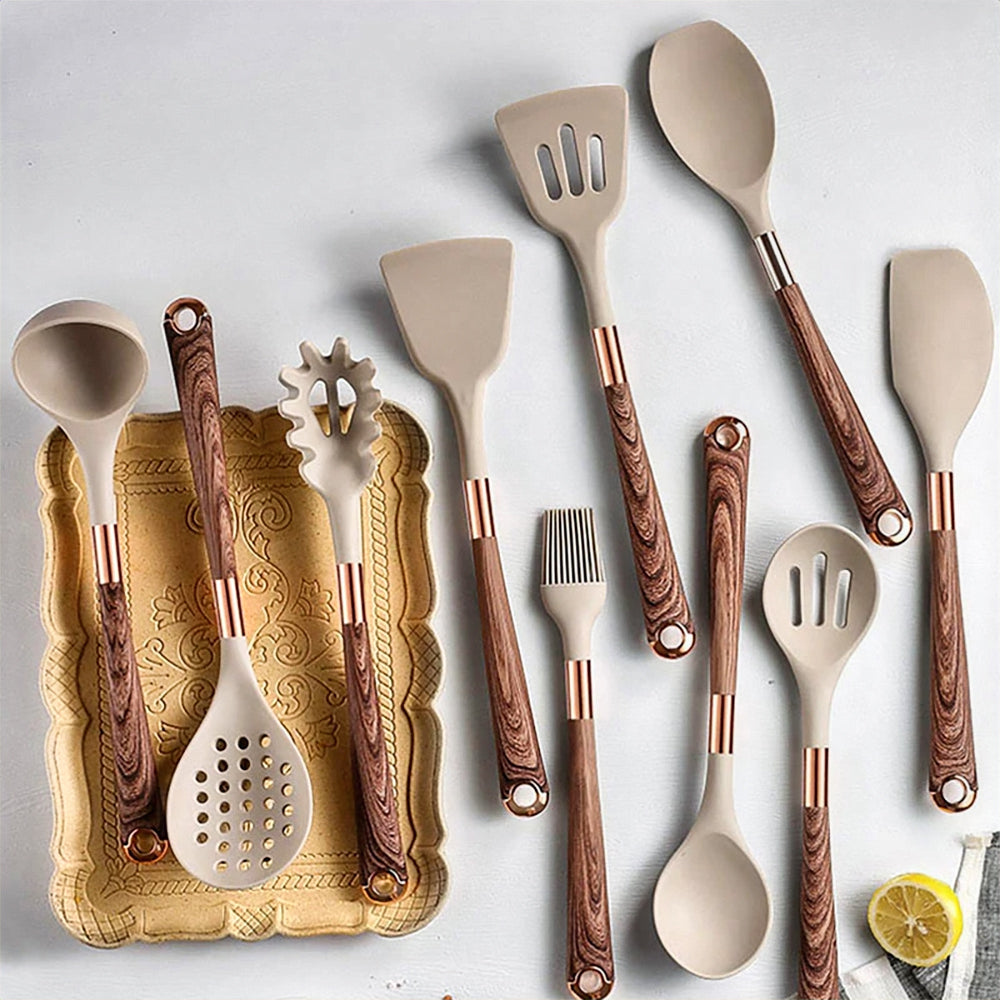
(715, 109)
(452, 303)
(820, 597)
(941, 335)
(239, 805)
(84, 364)
(339, 464)
(567, 149)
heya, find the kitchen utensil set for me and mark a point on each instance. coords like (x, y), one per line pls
(239, 804)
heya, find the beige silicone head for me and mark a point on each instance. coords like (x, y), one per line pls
(84, 364)
(452, 303)
(941, 333)
(567, 149)
(714, 107)
(820, 597)
(338, 464)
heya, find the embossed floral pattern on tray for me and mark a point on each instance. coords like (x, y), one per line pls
(286, 563)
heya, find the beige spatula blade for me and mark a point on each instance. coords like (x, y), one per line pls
(452, 303)
(941, 336)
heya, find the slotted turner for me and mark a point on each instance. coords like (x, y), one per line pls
(567, 149)
(820, 596)
(339, 465)
(452, 303)
(240, 801)
(941, 334)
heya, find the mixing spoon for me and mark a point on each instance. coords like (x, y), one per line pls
(84, 364)
(711, 906)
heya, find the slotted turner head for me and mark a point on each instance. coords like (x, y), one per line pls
(941, 335)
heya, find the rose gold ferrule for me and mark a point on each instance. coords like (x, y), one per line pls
(776, 268)
(609, 355)
(228, 607)
(479, 508)
(107, 558)
(815, 776)
(579, 697)
(941, 501)
(351, 591)
(720, 723)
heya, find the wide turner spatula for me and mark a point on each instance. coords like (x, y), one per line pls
(567, 149)
(452, 303)
(941, 333)
(714, 107)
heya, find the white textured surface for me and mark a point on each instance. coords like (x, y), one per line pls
(262, 157)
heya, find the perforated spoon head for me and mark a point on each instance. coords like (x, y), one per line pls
(713, 105)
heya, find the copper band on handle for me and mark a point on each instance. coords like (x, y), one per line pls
(107, 558)
(228, 607)
(941, 501)
(815, 776)
(720, 723)
(609, 355)
(779, 274)
(579, 696)
(479, 508)
(351, 591)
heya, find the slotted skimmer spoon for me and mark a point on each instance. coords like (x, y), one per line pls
(714, 107)
(820, 596)
(451, 299)
(567, 149)
(84, 364)
(339, 465)
(239, 805)
(941, 334)
(711, 906)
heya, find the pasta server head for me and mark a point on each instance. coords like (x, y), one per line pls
(567, 149)
(338, 463)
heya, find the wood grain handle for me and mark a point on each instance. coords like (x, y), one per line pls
(590, 967)
(952, 754)
(669, 625)
(727, 462)
(818, 948)
(524, 787)
(141, 822)
(883, 510)
(380, 843)
(192, 354)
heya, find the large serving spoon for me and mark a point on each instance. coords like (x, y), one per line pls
(711, 906)
(714, 107)
(84, 364)
(820, 596)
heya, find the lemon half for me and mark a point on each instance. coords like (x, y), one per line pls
(916, 918)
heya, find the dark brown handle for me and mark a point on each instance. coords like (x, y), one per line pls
(669, 626)
(727, 462)
(142, 825)
(192, 353)
(590, 966)
(953, 756)
(882, 508)
(818, 948)
(524, 787)
(380, 844)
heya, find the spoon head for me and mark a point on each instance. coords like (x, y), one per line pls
(820, 596)
(714, 107)
(80, 361)
(711, 906)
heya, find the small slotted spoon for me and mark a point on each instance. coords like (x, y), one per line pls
(567, 149)
(240, 801)
(339, 465)
(820, 597)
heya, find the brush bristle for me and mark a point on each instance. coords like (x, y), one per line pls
(569, 547)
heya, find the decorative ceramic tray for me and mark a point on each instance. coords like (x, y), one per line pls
(285, 555)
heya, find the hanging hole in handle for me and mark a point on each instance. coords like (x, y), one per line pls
(955, 794)
(144, 846)
(185, 319)
(526, 799)
(590, 983)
